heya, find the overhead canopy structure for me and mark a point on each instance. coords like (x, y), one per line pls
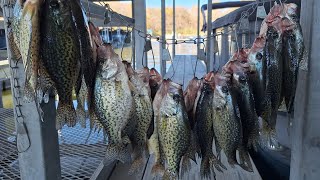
(97, 12)
(96, 15)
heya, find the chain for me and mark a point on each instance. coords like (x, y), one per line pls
(16, 89)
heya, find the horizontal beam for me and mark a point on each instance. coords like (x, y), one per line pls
(97, 12)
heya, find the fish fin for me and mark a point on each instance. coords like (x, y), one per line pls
(157, 170)
(185, 165)
(118, 152)
(29, 93)
(192, 150)
(168, 175)
(205, 168)
(216, 163)
(81, 98)
(66, 114)
(245, 160)
(137, 166)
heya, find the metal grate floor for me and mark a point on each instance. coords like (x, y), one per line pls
(78, 160)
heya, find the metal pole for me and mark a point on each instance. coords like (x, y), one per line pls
(209, 42)
(174, 28)
(198, 29)
(38, 141)
(305, 160)
(139, 14)
(224, 46)
(163, 63)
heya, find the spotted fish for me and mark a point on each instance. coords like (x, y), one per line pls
(204, 129)
(113, 102)
(144, 115)
(173, 128)
(61, 54)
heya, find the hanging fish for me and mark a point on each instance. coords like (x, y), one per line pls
(25, 40)
(204, 128)
(272, 101)
(191, 96)
(144, 114)
(153, 142)
(144, 75)
(154, 83)
(86, 75)
(113, 102)
(293, 50)
(96, 42)
(258, 70)
(173, 129)
(226, 122)
(61, 54)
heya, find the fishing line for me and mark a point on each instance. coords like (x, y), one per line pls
(126, 36)
(89, 11)
(172, 64)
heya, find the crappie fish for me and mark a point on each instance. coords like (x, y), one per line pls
(204, 130)
(293, 51)
(173, 129)
(258, 70)
(144, 75)
(272, 101)
(226, 122)
(153, 142)
(96, 43)
(85, 79)
(144, 115)
(191, 96)
(245, 101)
(26, 42)
(113, 102)
(154, 83)
(60, 55)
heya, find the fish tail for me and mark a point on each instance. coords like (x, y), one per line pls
(118, 152)
(214, 161)
(205, 168)
(29, 93)
(245, 160)
(137, 166)
(168, 175)
(65, 115)
(232, 159)
(157, 170)
(185, 165)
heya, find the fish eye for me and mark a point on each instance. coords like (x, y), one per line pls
(224, 89)
(259, 56)
(242, 78)
(176, 97)
(54, 4)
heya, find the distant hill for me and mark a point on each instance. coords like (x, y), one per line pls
(186, 18)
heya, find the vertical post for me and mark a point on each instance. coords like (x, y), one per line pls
(174, 28)
(198, 28)
(139, 15)
(163, 63)
(224, 46)
(214, 58)
(37, 140)
(209, 42)
(305, 160)
(1, 89)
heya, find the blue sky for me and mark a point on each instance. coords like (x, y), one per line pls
(186, 3)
